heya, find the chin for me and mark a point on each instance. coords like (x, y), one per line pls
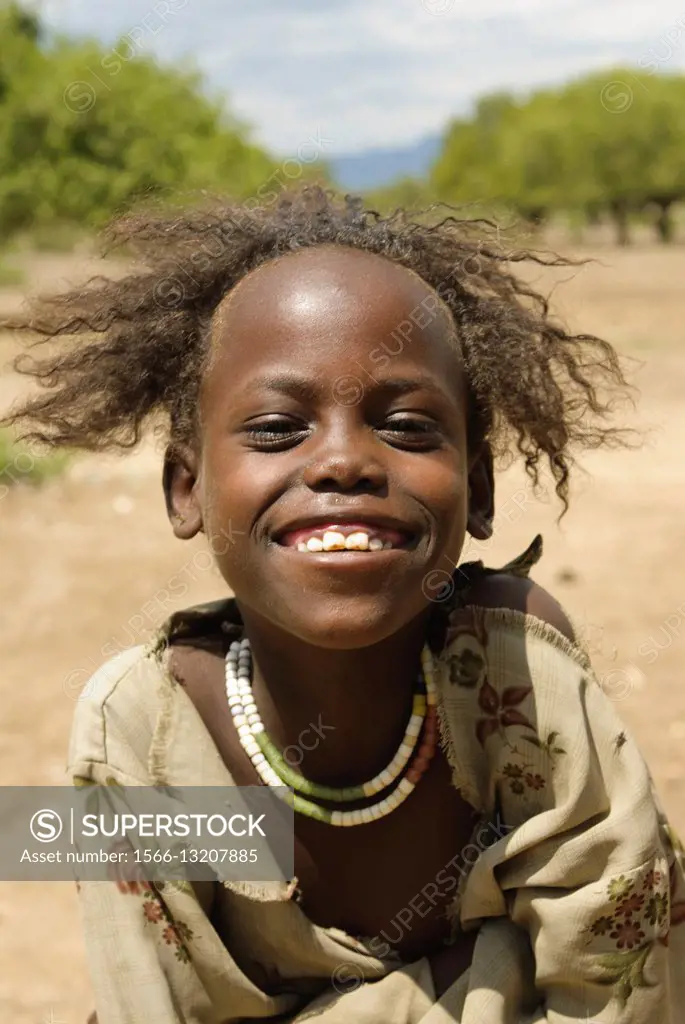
(349, 625)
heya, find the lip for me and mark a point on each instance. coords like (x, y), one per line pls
(344, 563)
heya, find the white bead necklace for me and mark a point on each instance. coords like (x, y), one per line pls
(275, 772)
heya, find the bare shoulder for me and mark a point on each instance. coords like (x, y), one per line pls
(503, 590)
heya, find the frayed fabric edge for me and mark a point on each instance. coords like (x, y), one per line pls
(472, 796)
(467, 790)
(162, 734)
(517, 621)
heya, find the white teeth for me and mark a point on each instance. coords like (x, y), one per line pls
(357, 542)
(332, 541)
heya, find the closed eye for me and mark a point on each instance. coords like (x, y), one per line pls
(411, 431)
(411, 423)
(278, 432)
(275, 433)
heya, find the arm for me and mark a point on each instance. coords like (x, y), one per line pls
(153, 953)
(586, 868)
(139, 976)
(448, 964)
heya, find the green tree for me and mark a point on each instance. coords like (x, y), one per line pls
(472, 167)
(611, 142)
(627, 146)
(84, 131)
(405, 194)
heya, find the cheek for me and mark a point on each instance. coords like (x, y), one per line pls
(443, 487)
(233, 490)
(224, 507)
(444, 492)
(228, 483)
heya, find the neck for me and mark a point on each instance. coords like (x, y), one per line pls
(338, 715)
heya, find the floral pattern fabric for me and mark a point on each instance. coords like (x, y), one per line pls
(579, 906)
(639, 910)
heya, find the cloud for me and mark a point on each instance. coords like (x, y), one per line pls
(382, 73)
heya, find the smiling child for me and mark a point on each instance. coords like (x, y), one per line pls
(475, 838)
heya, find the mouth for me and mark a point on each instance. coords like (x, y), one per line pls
(347, 538)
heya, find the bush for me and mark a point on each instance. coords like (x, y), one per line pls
(20, 464)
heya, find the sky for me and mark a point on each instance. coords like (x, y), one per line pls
(364, 74)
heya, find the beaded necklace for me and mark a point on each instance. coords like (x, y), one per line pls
(418, 744)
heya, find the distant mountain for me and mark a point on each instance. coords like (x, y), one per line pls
(374, 168)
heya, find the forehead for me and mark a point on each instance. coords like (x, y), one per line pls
(325, 261)
(330, 304)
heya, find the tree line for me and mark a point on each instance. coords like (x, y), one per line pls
(607, 146)
(85, 131)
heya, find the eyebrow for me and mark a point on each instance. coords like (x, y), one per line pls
(287, 384)
(306, 390)
(405, 385)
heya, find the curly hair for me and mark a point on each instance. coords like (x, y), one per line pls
(125, 351)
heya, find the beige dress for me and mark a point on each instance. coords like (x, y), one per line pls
(576, 885)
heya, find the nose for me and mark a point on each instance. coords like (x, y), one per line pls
(346, 461)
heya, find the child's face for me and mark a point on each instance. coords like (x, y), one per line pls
(335, 395)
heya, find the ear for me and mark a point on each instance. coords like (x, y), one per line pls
(481, 512)
(179, 479)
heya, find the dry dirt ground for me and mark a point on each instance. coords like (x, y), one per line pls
(84, 563)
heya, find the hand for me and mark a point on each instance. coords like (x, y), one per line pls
(450, 962)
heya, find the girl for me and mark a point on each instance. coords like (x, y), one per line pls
(333, 385)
